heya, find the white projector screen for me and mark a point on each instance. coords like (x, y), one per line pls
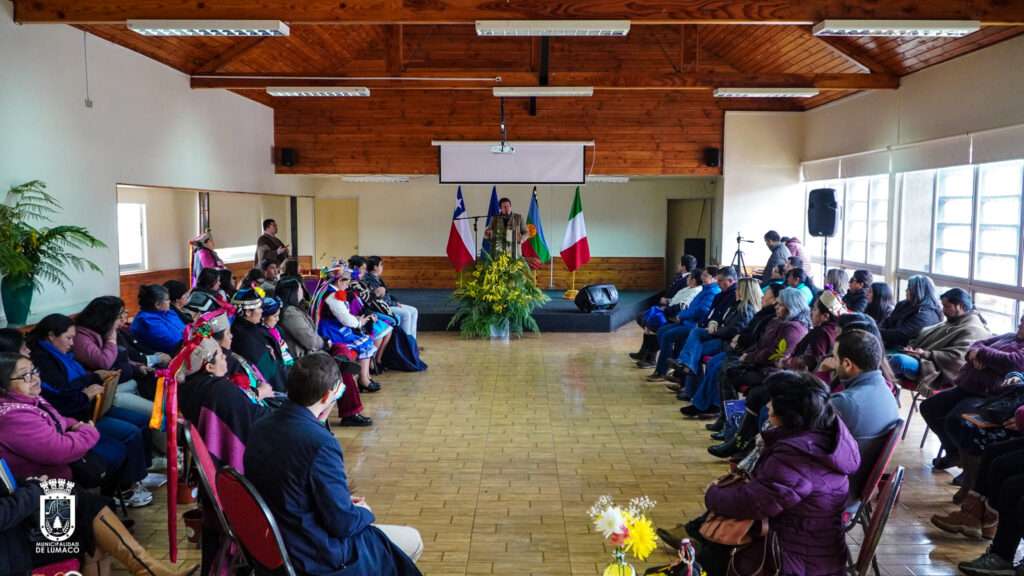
(531, 163)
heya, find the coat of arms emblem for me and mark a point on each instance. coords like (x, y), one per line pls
(57, 509)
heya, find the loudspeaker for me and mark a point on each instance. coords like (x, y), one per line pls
(713, 157)
(597, 298)
(822, 213)
(696, 247)
(287, 156)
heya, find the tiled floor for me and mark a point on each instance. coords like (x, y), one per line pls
(496, 452)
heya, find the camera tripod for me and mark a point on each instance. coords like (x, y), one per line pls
(738, 263)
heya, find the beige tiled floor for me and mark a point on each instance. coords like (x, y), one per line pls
(496, 452)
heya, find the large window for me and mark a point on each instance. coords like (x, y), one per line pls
(999, 219)
(862, 238)
(131, 237)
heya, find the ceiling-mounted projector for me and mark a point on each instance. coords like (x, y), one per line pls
(503, 148)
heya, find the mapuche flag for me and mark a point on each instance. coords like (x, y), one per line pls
(575, 248)
(460, 239)
(535, 248)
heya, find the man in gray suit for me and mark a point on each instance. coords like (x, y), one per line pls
(507, 230)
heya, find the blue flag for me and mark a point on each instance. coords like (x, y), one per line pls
(492, 211)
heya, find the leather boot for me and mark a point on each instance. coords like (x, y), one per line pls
(650, 349)
(975, 518)
(96, 565)
(115, 540)
(738, 445)
(970, 464)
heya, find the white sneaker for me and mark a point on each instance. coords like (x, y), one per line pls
(159, 463)
(137, 497)
(153, 481)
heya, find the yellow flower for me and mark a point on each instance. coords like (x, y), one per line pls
(641, 537)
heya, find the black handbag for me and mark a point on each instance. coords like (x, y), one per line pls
(1002, 406)
(89, 471)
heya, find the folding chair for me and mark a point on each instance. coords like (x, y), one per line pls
(253, 524)
(887, 497)
(207, 471)
(859, 511)
(917, 396)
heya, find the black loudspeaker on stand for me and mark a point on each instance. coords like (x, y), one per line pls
(823, 216)
(597, 298)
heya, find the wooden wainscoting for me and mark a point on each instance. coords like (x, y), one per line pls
(435, 272)
(130, 282)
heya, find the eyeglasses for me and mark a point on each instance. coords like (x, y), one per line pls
(30, 375)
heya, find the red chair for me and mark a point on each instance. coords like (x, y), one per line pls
(858, 511)
(208, 471)
(887, 497)
(253, 524)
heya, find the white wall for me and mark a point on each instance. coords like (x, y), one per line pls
(622, 219)
(761, 174)
(146, 127)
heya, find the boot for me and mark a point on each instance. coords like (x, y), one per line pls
(738, 445)
(96, 565)
(642, 352)
(975, 518)
(650, 348)
(970, 464)
(115, 540)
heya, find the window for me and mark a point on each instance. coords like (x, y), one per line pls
(999, 190)
(916, 220)
(131, 237)
(1000, 313)
(855, 241)
(954, 215)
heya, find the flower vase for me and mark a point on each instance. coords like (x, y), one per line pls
(619, 566)
(500, 331)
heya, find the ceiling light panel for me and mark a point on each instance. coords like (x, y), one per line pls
(552, 27)
(765, 92)
(319, 91)
(904, 28)
(542, 91)
(376, 178)
(209, 27)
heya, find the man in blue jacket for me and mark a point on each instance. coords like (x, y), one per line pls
(296, 464)
(672, 335)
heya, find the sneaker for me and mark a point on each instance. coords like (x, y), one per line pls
(645, 364)
(988, 564)
(137, 497)
(159, 463)
(153, 481)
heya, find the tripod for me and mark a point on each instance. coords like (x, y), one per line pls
(737, 259)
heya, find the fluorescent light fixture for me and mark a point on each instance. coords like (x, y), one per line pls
(765, 92)
(318, 91)
(528, 91)
(911, 28)
(209, 27)
(601, 179)
(552, 27)
(377, 178)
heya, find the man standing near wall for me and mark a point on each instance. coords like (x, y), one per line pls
(269, 246)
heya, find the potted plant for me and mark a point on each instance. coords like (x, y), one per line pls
(30, 256)
(496, 296)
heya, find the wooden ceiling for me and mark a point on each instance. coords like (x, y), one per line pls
(430, 75)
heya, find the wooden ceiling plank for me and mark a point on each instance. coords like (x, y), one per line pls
(217, 63)
(393, 43)
(996, 12)
(689, 47)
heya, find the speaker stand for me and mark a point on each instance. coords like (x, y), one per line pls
(824, 269)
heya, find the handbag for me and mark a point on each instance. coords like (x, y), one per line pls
(89, 471)
(730, 531)
(1002, 406)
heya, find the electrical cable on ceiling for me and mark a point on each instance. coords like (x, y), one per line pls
(85, 56)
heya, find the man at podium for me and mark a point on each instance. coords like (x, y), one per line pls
(507, 230)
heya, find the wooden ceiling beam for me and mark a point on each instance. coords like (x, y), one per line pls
(394, 61)
(860, 57)
(230, 55)
(445, 80)
(989, 12)
(689, 47)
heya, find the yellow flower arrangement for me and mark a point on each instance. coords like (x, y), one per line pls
(493, 291)
(628, 530)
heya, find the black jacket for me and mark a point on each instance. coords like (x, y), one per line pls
(856, 301)
(67, 397)
(735, 321)
(756, 327)
(17, 511)
(906, 322)
(259, 348)
(720, 305)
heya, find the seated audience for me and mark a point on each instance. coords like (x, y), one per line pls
(157, 326)
(672, 336)
(790, 325)
(800, 484)
(880, 301)
(360, 298)
(779, 253)
(253, 342)
(227, 284)
(270, 321)
(797, 278)
(988, 361)
(95, 347)
(406, 315)
(203, 256)
(687, 264)
(253, 279)
(206, 294)
(335, 322)
(271, 274)
(240, 372)
(933, 359)
(856, 297)
(299, 469)
(657, 316)
(38, 443)
(179, 294)
(839, 280)
(291, 270)
(920, 310)
(825, 313)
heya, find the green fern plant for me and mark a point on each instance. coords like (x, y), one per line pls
(30, 255)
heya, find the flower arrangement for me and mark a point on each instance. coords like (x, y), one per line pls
(628, 530)
(495, 291)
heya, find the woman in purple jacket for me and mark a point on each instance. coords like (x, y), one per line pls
(799, 484)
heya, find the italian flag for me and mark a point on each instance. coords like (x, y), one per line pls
(575, 248)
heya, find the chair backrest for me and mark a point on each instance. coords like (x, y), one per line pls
(887, 497)
(207, 472)
(878, 462)
(252, 522)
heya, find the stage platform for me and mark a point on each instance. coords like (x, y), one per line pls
(557, 316)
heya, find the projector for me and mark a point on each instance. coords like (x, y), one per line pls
(503, 148)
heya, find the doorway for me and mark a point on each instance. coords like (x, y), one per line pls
(689, 226)
(336, 225)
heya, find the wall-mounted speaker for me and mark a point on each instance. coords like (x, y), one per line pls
(822, 213)
(713, 157)
(287, 156)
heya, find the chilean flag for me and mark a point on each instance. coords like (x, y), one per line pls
(460, 239)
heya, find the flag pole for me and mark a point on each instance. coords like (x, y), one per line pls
(551, 262)
(571, 293)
